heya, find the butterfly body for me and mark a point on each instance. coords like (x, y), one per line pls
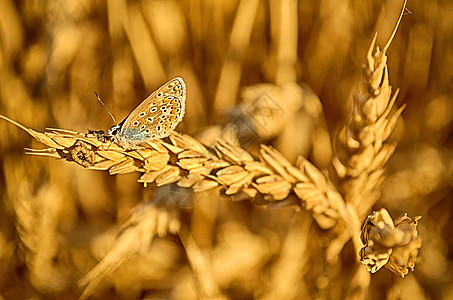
(155, 118)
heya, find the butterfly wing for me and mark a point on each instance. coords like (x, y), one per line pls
(157, 115)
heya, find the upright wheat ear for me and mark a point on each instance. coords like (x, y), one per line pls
(363, 149)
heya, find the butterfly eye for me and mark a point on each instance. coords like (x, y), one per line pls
(142, 114)
(142, 127)
(135, 123)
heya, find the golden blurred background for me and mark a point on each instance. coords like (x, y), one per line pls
(57, 220)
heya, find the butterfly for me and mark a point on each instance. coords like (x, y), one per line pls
(155, 118)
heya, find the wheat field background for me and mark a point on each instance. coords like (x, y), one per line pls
(58, 220)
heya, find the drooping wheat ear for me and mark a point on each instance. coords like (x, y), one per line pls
(271, 180)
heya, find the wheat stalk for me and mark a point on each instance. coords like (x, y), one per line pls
(202, 268)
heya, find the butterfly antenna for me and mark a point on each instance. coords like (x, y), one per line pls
(108, 110)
